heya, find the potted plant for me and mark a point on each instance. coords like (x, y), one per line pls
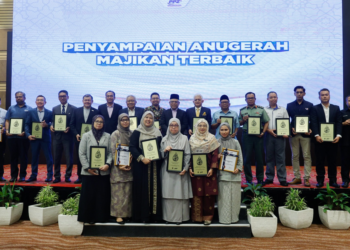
(10, 211)
(334, 213)
(262, 221)
(252, 191)
(68, 219)
(46, 211)
(295, 214)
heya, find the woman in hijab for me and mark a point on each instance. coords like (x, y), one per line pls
(95, 196)
(121, 176)
(176, 187)
(146, 190)
(229, 198)
(205, 188)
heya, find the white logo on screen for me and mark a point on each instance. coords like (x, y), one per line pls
(174, 3)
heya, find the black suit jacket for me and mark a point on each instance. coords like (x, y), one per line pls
(78, 119)
(110, 123)
(168, 114)
(318, 116)
(138, 113)
(205, 114)
(69, 112)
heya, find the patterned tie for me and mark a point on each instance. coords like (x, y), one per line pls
(197, 112)
(63, 110)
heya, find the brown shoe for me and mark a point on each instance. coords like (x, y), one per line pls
(295, 181)
(307, 183)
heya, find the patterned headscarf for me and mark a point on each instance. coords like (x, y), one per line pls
(203, 143)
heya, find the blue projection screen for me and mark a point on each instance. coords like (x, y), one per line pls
(177, 46)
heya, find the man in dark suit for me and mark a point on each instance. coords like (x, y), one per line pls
(197, 111)
(110, 111)
(63, 140)
(44, 116)
(81, 115)
(174, 112)
(131, 109)
(326, 113)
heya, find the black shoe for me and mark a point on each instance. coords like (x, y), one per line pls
(68, 180)
(260, 182)
(345, 184)
(77, 181)
(334, 184)
(121, 222)
(48, 179)
(13, 179)
(2, 179)
(31, 179)
(57, 180)
(284, 183)
(266, 182)
(249, 182)
(319, 184)
(22, 179)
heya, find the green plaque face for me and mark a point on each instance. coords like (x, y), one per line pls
(282, 126)
(156, 124)
(85, 128)
(133, 122)
(199, 164)
(150, 149)
(228, 120)
(60, 123)
(195, 120)
(97, 157)
(301, 124)
(16, 126)
(327, 132)
(37, 130)
(254, 125)
(175, 161)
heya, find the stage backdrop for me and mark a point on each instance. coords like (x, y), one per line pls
(177, 46)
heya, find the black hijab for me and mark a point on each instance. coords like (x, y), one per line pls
(97, 133)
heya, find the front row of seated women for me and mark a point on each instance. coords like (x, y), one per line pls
(145, 191)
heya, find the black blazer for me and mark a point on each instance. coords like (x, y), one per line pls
(167, 115)
(205, 114)
(69, 112)
(78, 119)
(138, 113)
(317, 116)
(110, 123)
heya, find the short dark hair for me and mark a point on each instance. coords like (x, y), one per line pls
(324, 89)
(249, 93)
(20, 92)
(110, 91)
(63, 91)
(271, 92)
(41, 96)
(299, 87)
(88, 95)
(155, 93)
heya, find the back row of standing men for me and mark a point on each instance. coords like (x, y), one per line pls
(274, 146)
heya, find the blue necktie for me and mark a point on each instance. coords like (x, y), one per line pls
(63, 110)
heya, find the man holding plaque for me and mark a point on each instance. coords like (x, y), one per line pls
(155, 108)
(63, 140)
(197, 112)
(225, 111)
(82, 117)
(275, 145)
(18, 143)
(326, 119)
(132, 110)
(110, 111)
(38, 132)
(2, 141)
(299, 111)
(345, 144)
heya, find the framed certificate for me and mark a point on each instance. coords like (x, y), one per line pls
(254, 125)
(228, 120)
(199, 164)
(122, 155)
(282, 126)
(150, 149)
(85, 127)
(97, 157)
(133, 122)
(229, 160)
(156, 124)
(37, 130)
(301, 124)
(195, 120)
(327, 131)
(16, 126)
(175, 161)
(60, 123)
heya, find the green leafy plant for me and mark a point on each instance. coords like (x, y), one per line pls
(71, 206)
(253, 191)
(332, 200)
(261, 206)
(294, 201)
(9, 194)
(47, 197)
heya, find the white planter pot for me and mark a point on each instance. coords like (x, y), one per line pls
(11, 214)
(44, 216)
(69, 225)
(334, 219)
(296, 219)
(263, 226)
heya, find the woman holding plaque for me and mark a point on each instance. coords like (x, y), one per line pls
(229, 198)
(146, 190)
(95, 196)
(176, 187)
(121, 176)
(205, 188)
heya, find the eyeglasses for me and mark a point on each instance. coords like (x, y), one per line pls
(130, 101)
(174, 101)
(250, 98)
(202, 126)
(62, 96)
(99, 122)
(124, 120)
(173, 126)
(155, 98)
(224, 102)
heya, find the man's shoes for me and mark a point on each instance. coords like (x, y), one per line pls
(260, 182)
(78, 181)
(295, 181)
(267, 182)
(68, 180)
(319, 184)
(345, 184)
(284, 183)
(2, 179)
(57, 180)
(334, 184)
(307, 183)
(13, 179)
(31, 179)
(22, 179)
(48, 179)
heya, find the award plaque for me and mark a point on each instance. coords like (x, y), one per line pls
(175, 161)
(327, 131)
(228, 120)
(16, 126)
(301, 124)
(150, 149)
(156, 124)
(122, 155)
(195, 120)
(60, 123)
(85, 127)
(228, 161)
(97, 157)
(254, 123)
(37, 130)
(282, 126)
(133, 122)
(199, 164)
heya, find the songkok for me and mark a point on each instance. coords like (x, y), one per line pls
(224, 97)
(174, 96)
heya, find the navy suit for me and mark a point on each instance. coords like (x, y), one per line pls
(44, 143)
(138, 113)
(168, 114)
(205, 113)
(110, 122)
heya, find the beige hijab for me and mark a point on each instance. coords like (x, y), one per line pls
(203, 143)
(147, 132)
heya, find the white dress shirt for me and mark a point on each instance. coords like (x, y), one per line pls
(86, 114)
(131, 112)
(65, 107)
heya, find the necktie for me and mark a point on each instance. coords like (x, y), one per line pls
(63, 110)
(197, 112)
